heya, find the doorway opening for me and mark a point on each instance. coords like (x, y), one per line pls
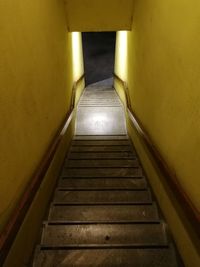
(99, 55)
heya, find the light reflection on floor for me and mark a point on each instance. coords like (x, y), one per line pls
(101, 117)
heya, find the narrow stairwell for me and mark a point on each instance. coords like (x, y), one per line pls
(102, 213)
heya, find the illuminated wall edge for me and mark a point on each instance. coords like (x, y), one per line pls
(77, 62)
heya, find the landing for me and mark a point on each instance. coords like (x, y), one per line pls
(100, 112)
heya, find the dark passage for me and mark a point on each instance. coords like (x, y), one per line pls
(99, 53)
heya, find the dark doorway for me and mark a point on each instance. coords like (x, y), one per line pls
(99, 53)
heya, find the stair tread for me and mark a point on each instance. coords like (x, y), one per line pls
(124, 148)
(102, 196)
(81, 163)
(160, 257)
(100, 137)
(100, 142)
(104, 234)
(102, 172)
(104, 183)
(102, 155)
(103, 213)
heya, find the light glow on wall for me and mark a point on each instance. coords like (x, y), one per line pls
(122, 42)
(77, 55)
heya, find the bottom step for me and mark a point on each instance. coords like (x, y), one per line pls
(104, 235)
(164, 257)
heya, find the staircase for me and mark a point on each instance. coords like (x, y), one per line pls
(103, 213)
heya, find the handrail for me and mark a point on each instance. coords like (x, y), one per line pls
(74, 87)
(11, 229)
(171, 179)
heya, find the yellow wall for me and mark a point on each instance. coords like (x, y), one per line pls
(99, 15)
(23, 248)
(163, 52)
(36, 77)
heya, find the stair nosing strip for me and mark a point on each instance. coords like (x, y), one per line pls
(98, 151)
(102, 159)
(92, 158)
(101, 167)
(100, 177)
(153, 203)
(99, 145)
(123, 222)
(104, 246)
(101, 203)
(102, 189)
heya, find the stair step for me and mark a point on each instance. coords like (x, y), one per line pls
(94, 97)
(101, 143)
(131, 257)
(104, 235)
(127, 196)
(104, 213)
(102, 155)
(100, 137)
(102, 172)
(99, 99)
(103, 183)
(119, 148)
(93, 163)
(98, 102)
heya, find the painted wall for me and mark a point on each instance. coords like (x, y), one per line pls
(37, 71)
(162, 71)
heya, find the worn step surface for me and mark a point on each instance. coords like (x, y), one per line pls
(114, 196)
(103, 163)
(102, 212)
(102, 155)
(116, 148)
(129, 257)
(102, 172)
(101, 143)
(101, 137)
(104, 235)
(103, 183)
